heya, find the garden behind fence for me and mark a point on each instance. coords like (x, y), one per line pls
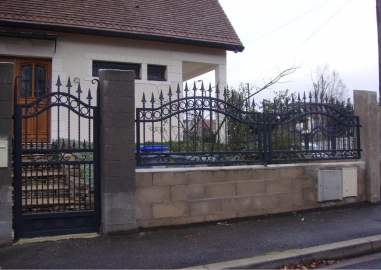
(202, 126)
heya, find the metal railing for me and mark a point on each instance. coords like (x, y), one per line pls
(204, 129)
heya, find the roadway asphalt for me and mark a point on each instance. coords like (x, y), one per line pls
(260, 242)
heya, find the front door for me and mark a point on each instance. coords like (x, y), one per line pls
(33, 80)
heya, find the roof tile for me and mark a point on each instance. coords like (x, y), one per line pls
(191, 20)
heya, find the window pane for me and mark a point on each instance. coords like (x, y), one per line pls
(26, 80)
(156, 73)
(97, 65)
(39, 80)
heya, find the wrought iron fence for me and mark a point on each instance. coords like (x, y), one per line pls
(227, 129)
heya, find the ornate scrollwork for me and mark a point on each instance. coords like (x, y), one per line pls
(56, 99)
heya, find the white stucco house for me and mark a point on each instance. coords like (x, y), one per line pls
(165, 42)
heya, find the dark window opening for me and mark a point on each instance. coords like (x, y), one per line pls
(156, 73)
(39, 80)
(97, 65)
(26, 82)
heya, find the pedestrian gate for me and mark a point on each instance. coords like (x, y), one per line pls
(56, 176)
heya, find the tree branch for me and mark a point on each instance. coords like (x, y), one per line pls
(275, 80)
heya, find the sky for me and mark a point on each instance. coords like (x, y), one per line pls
(279, 34)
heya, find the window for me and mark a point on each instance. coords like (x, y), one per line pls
(97, 65)
(34, 80)
(156, 73)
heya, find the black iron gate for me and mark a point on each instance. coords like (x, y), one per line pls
(56, 175)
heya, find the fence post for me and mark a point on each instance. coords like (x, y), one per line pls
(365, 103)
(117, 154)
(6, 80)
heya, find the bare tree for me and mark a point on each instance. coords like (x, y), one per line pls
(328, 83)
(271, 81)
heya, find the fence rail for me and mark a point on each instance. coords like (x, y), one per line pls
(228, 129)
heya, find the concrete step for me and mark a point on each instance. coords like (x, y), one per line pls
(45, 189)
(57, 204)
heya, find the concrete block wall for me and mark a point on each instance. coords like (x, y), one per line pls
(182, 196)
(365, 104)
(6, 90)
(117, 155)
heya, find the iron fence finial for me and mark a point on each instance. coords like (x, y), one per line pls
(152, 99)
(89, 97)
(161, 98)
(210, 89)
(144, 99)
(79, 90)
(68, 85)
(186, 87)
(58, 84)
(202, 86)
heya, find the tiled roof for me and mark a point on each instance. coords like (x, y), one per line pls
(199, 22)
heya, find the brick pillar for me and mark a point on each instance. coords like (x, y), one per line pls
(366, 108)
(117, 101)
(6, 78)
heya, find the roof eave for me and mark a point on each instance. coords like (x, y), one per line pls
(81, 30)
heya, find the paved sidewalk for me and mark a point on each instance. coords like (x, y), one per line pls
(261, 242)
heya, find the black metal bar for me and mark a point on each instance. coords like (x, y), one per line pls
(17, 170)
(137, 126)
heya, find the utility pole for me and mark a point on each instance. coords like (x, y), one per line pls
(378, 8)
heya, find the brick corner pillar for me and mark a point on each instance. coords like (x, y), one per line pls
(365, 103)
(117, 154)
(6, 80)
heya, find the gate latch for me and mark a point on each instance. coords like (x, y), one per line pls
(3, 153)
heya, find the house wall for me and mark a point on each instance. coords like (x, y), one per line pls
(75, 53)
(181, 196)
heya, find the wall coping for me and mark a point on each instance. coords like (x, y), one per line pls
(252, 167)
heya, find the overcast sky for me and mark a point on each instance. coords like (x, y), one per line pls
(278, 34)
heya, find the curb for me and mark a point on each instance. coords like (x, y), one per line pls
(55, 238)
(339, 250)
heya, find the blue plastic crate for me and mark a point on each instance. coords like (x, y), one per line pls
(153, 148)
